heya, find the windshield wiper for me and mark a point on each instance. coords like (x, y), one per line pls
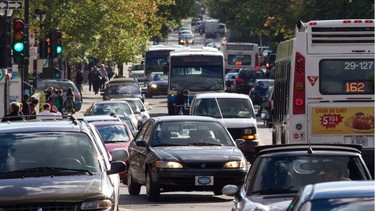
(205, 144)
(275, 191)
(167, 145)
(45, 170)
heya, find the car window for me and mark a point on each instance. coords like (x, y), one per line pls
(293, 173)
(113, 133)
(252, 75)
(118, 108)
(60, 150)
(141, 133)
(123, 89)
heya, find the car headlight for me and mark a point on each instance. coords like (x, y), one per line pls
(95, 205)
(168, 164)
(235, 164)
(153, 86)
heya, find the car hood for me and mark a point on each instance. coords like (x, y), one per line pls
(56, 188)
(239, 122)
(268, 202)
(186, 154)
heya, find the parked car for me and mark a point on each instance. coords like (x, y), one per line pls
(115, 134)
(64, 85)
(157, 85)
(280, 171)
(183, 153)
(237, 113)
(139, 109)
(229, 80)
(246, 80)
(259, 91)
(59, 164)
(342, 195)
(119, 107)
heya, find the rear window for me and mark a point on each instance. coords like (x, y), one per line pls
(346, 76)
(239, 59)
(250, 74)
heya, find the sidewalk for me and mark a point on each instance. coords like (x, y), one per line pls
(88, 98)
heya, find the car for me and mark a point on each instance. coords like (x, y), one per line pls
(119, 90)
(157, 85)
(246, 79)
(266, 108)
(229, 80)
(64, 85)
(271, 61)
(125, 118)
(115, 134)
(139, 109)
(57, 163)
(151, 77)
(186, 39)
(259, 91)
(184, 28)
(137, 71)
(183, 153)
(119, 107)
(342, 195)
(278, 172)
(236, 111)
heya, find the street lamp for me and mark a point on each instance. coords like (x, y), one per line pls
(40, 16)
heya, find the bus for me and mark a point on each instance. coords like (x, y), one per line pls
(156, 58)
(324, 85)
(198, 69)
(239, 55)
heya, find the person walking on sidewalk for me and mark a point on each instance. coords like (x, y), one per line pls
(90, 77)
(96, 81)
(103, 74)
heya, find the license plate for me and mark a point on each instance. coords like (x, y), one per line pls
(204, 180)
(360, 140)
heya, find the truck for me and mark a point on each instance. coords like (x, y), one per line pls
(214, 29)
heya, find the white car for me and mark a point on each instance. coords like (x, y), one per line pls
(237, 113)
(139, 109)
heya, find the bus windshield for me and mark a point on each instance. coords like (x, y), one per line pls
(197, 73)
(155, 60)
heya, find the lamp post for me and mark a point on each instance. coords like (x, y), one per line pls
(40, 16)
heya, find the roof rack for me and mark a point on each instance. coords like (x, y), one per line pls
(34, 118)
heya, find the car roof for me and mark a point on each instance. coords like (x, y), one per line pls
(307, 148)
(340, 189)
(110, 102)
(222, 95)
(184, 118)
(97, 118)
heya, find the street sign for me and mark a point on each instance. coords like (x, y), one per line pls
(15, 5)
(32, 38)
(33, 52)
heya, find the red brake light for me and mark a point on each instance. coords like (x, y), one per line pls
(346, 21)
(358, 21)
(239, 80)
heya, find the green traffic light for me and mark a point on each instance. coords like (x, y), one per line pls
(59, 49)
(18, 46)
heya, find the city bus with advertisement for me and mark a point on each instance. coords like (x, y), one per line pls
(198, 69)
(156, 58)
(324, 85)
(240, 55)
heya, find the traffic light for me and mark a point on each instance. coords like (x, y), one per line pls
(56, 43)
(18, 41)
(5, 42)
(45, 47)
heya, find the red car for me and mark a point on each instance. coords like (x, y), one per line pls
(115, 134)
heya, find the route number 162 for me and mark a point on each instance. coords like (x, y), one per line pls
(354, 87)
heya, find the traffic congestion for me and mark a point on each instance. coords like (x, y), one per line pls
(198, 113)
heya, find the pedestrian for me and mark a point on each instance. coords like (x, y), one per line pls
(96, 81)
(32, 108)
(110, 72)
(49, 112)
(14, 113)
(103, 74)
(59, 100)
(25, 104)
(69, 106)
(90, 77)
(79, 80)
(48, 92)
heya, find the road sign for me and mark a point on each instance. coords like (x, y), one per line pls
(15, 5)
(33, 52)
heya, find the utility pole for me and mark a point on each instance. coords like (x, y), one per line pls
(25, 70)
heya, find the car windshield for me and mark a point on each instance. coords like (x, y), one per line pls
(113, 133)
(290, 174)
(118, 108)
(343, 204)
(191, 133)
(123, 89)
(39, 152)
(136, 105)
(224, 108)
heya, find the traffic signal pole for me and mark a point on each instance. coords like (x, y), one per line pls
(25, 70)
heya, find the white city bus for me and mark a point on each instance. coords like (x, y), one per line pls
(156, 58)
(239, 55)
(324, 85)
(198, 69)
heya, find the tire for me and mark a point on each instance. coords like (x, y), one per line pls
(152, 189)
(133, 188)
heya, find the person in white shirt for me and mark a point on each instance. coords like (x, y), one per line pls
(47, 114)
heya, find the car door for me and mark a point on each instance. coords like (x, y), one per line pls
(138, 153)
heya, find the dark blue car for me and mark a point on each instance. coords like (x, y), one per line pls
(259, 91)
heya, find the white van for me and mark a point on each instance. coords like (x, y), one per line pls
(237, 113)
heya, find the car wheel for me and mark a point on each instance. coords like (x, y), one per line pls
(152, 189)
(133, 188)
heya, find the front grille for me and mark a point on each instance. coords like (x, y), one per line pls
(205, 165)
(44, 207)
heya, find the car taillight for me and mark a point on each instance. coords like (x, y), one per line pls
(267, 65)
(299, 85)
(240, 80)
(77, 96)
(256, 61)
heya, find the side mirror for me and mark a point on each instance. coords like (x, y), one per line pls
(117, 167)
(120, 154)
